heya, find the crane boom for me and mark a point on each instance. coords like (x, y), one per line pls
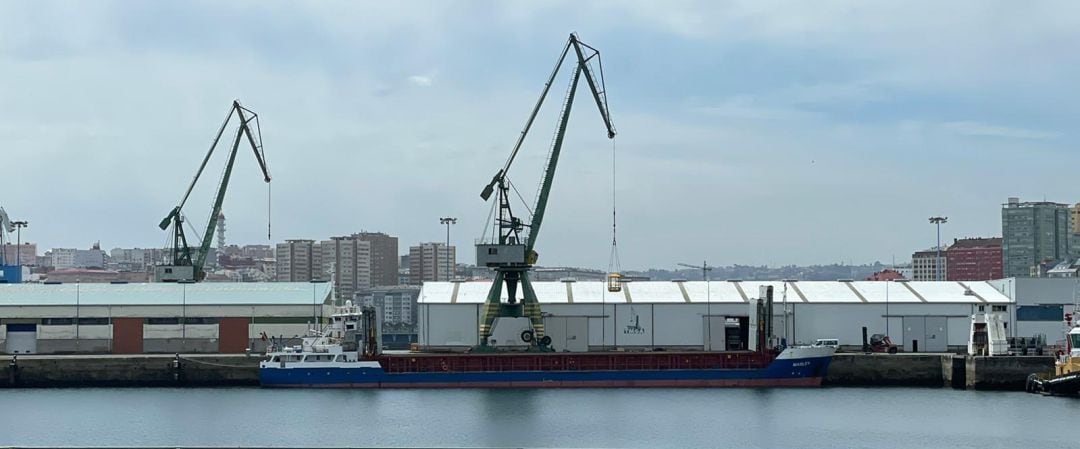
(549, 171)
(486, 193)
(182, 255)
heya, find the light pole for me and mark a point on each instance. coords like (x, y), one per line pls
(183, 316)
(77, 283)
(705, 269)
(787, 338)
(447, 221)
(938, 221)
(18, 240)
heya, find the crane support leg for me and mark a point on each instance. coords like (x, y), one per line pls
(531, 306)
(492, 308)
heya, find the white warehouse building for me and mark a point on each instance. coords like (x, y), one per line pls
(208, 317)
(581, 316)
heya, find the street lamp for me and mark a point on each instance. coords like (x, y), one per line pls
(77, 283)
(447, 221)
(938, 221)
(316, 313)
(18, 240)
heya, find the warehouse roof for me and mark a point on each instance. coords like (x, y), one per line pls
(205, 293)
(653, 292)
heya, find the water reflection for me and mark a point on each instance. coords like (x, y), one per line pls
(831, 417)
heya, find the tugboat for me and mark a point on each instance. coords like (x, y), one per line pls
(348, 355)
(1066, 377)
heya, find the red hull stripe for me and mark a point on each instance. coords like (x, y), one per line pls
(695, 383)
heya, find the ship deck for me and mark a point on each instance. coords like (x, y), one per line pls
(564, 361)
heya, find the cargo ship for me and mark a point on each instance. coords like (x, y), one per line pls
(347, 355)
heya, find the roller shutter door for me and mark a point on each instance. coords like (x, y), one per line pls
(21, 339)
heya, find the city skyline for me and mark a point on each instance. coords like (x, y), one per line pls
(745, 136)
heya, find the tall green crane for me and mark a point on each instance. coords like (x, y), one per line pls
(187, 262)
(509, 253)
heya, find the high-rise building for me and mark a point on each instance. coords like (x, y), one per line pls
(924, 265)
(128, 256)
(131, 259)
(62, 258)
(384, 257)
(298, 261)
(257, 251)
(398, 304)
(403, 270)
(25, 254)
(348, 260)
(431, 262)
(977, 259)
(1034, 233)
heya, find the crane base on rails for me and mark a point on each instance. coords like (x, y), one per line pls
(520, 324)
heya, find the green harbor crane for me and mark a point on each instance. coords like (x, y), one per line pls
(511, 254)
(186, 262)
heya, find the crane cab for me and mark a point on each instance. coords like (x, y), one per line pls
(614, 282)
(174, 273)
(494, 255)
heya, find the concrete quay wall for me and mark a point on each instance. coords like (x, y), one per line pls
(872, 370)
(128, 370)
(862, 370)
(1004, 373)
(935, 370)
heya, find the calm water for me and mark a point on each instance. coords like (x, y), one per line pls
(827, 418)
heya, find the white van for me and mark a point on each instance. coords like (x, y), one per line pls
(828, 342)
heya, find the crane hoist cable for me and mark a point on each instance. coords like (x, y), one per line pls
(268, 203)
(614, 268)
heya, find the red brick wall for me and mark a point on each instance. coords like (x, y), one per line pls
(127, 334)
(233, 335)
(973, 264)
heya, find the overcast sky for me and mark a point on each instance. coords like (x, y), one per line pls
(749, 132)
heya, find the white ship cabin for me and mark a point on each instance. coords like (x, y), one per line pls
(330, 347)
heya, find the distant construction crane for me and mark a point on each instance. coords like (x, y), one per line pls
(704, 267)
(6, 227)
(511, 254)
(187, 262)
